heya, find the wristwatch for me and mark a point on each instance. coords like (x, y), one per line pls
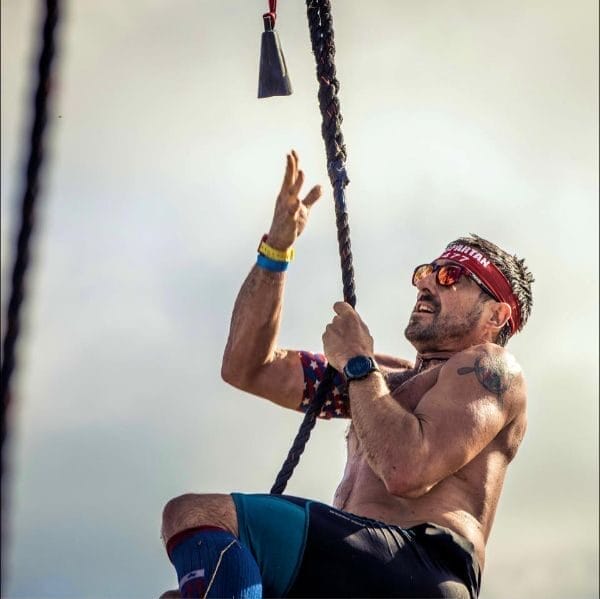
(359, 367)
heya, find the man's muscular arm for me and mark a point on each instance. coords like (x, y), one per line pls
(478, 391)
(251, 360)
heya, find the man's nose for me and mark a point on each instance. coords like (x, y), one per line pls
(427, 283)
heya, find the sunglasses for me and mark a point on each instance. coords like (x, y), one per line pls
(447, 275)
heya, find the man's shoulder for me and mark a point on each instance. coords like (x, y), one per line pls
(494, 368)
(489, 352)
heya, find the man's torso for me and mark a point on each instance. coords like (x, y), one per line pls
(465, 501)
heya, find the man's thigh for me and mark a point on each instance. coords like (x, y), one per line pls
(274, 529)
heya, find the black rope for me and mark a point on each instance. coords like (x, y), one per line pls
(321, 34)
(28, 206)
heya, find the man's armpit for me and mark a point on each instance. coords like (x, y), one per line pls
(337, 402)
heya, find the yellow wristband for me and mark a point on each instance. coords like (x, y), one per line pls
(273, 254)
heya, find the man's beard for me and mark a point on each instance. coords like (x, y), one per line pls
(440, 328)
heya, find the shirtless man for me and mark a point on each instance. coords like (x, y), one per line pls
(428, 445)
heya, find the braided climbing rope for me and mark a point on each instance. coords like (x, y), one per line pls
(322, 39)
(28, 205)
(321, 35)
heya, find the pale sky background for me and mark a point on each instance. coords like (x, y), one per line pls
(460, 116)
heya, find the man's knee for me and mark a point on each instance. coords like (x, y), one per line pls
(192, 510)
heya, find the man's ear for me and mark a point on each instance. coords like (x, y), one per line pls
(500, 313)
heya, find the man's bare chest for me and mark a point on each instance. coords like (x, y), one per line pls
(409, 387)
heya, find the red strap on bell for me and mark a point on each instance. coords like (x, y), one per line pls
(270, 17)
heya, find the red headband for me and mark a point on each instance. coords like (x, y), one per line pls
(490, 276)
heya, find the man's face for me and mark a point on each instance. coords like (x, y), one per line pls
(445, 318)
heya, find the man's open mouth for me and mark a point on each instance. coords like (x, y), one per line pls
(424, 308)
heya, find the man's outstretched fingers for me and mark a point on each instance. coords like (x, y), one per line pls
(295, 161)
(295, 188)
(289, 172)
(313, 195)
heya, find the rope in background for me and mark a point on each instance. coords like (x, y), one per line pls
(322, 39)
(28, 207)
(321, 34)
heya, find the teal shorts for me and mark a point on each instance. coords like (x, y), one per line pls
(306, 549)
(274, 530)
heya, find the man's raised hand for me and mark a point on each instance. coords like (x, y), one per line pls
(291, 213)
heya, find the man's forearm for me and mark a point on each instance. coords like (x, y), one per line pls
(257, 312)
(254, 324)
(389, 434)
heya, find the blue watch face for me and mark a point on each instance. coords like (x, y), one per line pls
(359, 366)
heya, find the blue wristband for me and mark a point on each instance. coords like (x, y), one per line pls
(272, 265)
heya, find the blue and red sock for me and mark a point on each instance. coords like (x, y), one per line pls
(211, 562)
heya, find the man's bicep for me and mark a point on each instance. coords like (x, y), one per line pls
(465, 410)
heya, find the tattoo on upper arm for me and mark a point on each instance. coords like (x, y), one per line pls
(492, 372)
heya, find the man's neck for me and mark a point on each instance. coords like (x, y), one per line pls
(427, 360)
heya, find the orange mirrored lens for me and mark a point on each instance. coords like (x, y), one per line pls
(421, 272)
(449, 275)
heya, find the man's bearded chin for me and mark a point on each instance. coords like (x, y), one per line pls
(426, 334)
(435, 333)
